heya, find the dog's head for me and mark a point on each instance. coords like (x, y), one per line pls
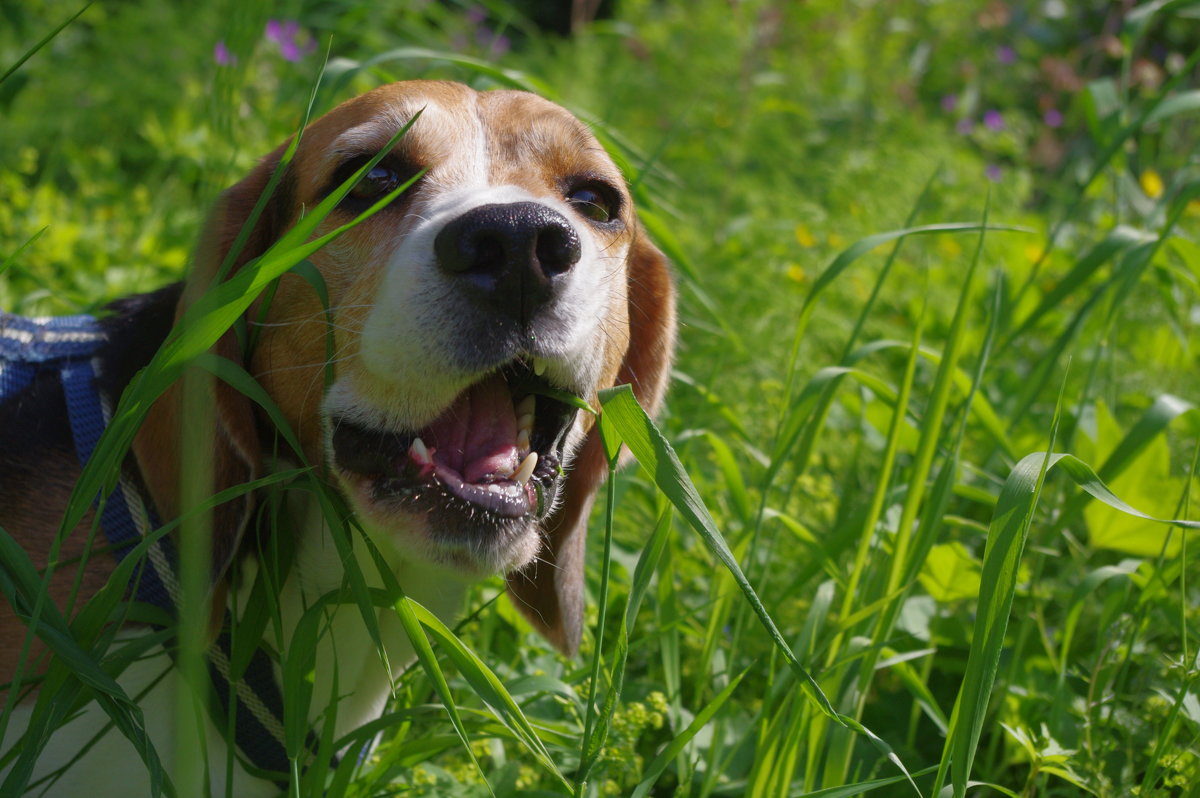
(512, 270)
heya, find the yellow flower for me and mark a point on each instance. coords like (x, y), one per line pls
(1152, 184)
(796, 273)
(1033, 252)
(836, 241)
(804, 237)
(948, 247)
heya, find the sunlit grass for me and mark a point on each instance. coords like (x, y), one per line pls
(883, 532)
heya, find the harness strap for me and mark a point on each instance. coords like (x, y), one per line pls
(69, 345)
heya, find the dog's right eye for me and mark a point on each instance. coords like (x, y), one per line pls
(382, 178)
(375, 183)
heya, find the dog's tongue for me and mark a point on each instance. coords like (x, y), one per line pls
(476, 436)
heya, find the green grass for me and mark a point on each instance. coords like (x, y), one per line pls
(895, 529)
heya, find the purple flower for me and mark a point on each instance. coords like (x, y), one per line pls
(494, 45)
(476, 15)
(993, 173)
(949, 102)
(994, 120)
(292, 45)
(222, 55)
(965, 126)
(1005, 54)
(1053, 117)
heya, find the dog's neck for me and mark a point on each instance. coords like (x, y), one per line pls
(344, 646)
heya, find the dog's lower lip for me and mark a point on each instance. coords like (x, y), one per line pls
(503, 498)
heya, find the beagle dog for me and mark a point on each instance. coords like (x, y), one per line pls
(424, 388)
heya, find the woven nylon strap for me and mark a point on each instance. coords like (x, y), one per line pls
(68, 345)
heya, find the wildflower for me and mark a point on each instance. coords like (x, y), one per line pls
(1053, 117)
(948, 248)
(965, 126)
(804, 237)
(1005, 54)
(292, 46)
(993, 173)
(222, 55)
(994, 120)
(495, 44)
(1152, 184)
(795, 272)
(949, 102)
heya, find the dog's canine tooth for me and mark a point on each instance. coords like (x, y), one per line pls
(526, 406)
(523, 440)
(539, 366)
(525, 422)
(525, 471)
(419, 451)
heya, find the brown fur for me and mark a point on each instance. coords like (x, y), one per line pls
(31, 513)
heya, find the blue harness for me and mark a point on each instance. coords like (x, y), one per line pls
(68, 346)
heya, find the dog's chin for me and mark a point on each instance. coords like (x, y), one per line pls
(471, 489)
(468, 543)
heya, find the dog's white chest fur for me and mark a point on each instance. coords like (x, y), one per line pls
(345, 648)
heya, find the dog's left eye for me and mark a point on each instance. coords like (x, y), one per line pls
(375, 183)
(596, 202)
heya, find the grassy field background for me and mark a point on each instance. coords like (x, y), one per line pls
(863, 414)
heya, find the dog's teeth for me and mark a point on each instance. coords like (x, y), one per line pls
(523, 440)
(525, 422)
(525, 471)
(539, 366)
(419, 451)
(526, 406)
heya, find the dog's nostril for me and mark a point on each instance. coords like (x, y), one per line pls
(557, 249)
(486, 253)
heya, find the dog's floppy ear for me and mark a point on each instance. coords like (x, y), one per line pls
(236, 452)
(549, 591)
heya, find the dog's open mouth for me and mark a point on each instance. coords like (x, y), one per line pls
(498, 448)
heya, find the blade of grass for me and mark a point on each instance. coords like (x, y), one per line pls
(676, 746)
(592, 736)
(11, 259)
(45, 40)
(627, 421)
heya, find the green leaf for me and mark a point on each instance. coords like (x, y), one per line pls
(1146, 482)
(950, 573)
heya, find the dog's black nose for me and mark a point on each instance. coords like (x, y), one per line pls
(511, 257)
